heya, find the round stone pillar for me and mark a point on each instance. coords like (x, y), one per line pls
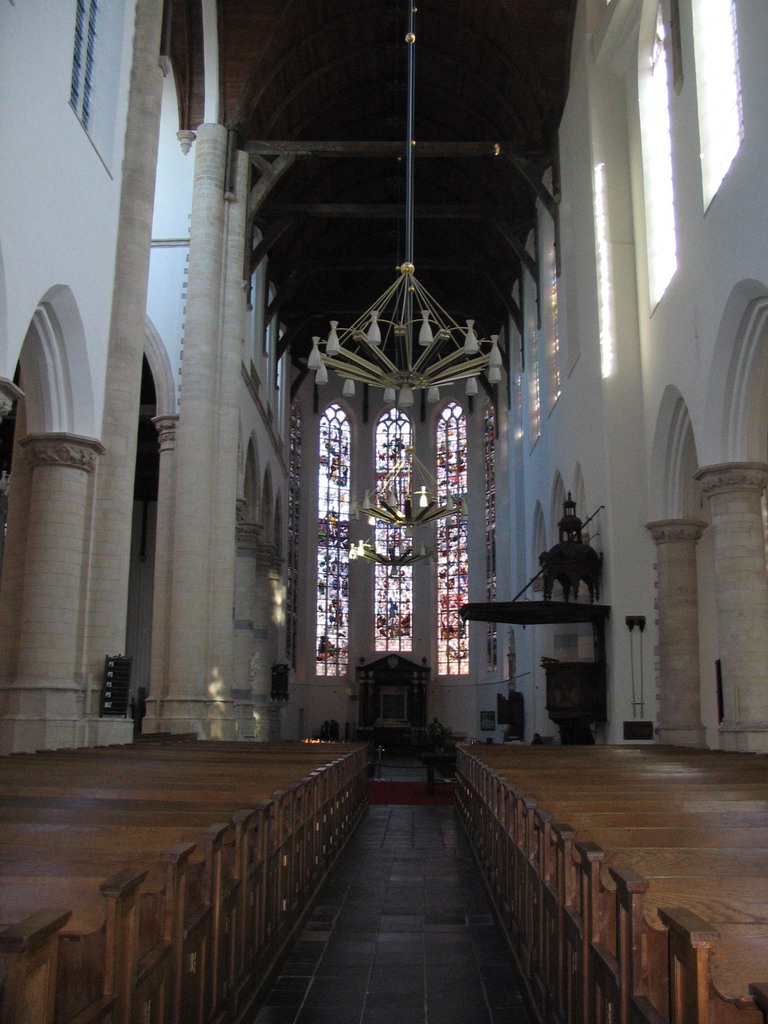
(678, 623)
(248, 534)
(161, 591)
(200, 628)
(46, 701)
(734, 491)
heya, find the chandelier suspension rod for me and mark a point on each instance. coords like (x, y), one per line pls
(410, 142)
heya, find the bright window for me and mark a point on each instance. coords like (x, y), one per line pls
(96, 67)
(333, 543)
(393, 585)
(553, 343)
(718, 86)
(657, 164)
(452, 560)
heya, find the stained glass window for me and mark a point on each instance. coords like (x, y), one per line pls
(452, 561)
(333, 543)
(294, 523)
(554, 332)
(393, 586)
(489, 451)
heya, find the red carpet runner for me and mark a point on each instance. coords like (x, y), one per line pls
(383, 792)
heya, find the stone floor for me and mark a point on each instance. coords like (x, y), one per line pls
(402, 933)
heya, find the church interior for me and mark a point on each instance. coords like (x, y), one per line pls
(383, 381)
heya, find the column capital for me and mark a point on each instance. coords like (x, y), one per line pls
(166, 429)
(9, 393)
(62, 449)
(668, 531)
(248, 534)
(732, 476)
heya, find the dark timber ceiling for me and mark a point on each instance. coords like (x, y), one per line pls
(316, 91)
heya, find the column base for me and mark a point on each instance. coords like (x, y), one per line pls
(683, 736)
(26, 735)
(40, 715)
(751, 737)
(209, 719)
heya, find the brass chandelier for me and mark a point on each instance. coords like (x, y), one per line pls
(405, 341)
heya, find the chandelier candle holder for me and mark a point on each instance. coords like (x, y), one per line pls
(407, 497)
(392, 557)
(405, 341)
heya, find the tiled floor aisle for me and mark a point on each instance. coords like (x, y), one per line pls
(402, 934)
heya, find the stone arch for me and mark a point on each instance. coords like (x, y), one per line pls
(266, 504)
(738, 381)
(579, 493)
(556, 504)
(674, 460)
(251, 482)
(538, 536)
(278, 526)
(162, 373)
(56, 373)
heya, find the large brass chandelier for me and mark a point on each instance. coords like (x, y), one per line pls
(405, 341)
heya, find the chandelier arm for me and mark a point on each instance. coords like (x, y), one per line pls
(364, 362)
(453, 367)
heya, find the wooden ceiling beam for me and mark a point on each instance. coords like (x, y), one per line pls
(366, 148)
(378, 211)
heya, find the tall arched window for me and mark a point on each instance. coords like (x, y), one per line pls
(489, 452)
(333, 543)
(452, 561)
(657, 164)
(294, 524)
(553, 339)
(718, 88)
(393, 586)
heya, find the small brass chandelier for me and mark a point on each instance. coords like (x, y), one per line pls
(391, 557)
(405, 341)
(406, 498)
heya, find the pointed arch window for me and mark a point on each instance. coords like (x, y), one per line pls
(452, 557)
(718, 88)
(661, 233)
(294, 525)
(393, 586)
(333, 543)
(489, 453)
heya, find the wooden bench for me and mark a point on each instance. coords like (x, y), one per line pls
(598, 936)
(180, 871)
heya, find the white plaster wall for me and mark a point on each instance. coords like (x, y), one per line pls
(58, 217)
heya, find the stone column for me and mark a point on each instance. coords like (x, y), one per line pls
(44, 705)
(114, 486)
(263, 651)
(15, 542)
(166, 429)
(679, 669)
(245, 612)
(9, 394)
(734, 491)
(200, 655)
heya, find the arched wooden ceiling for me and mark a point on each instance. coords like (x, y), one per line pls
(316, 91)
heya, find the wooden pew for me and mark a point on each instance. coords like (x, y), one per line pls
(189, 928)
(577, 927)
